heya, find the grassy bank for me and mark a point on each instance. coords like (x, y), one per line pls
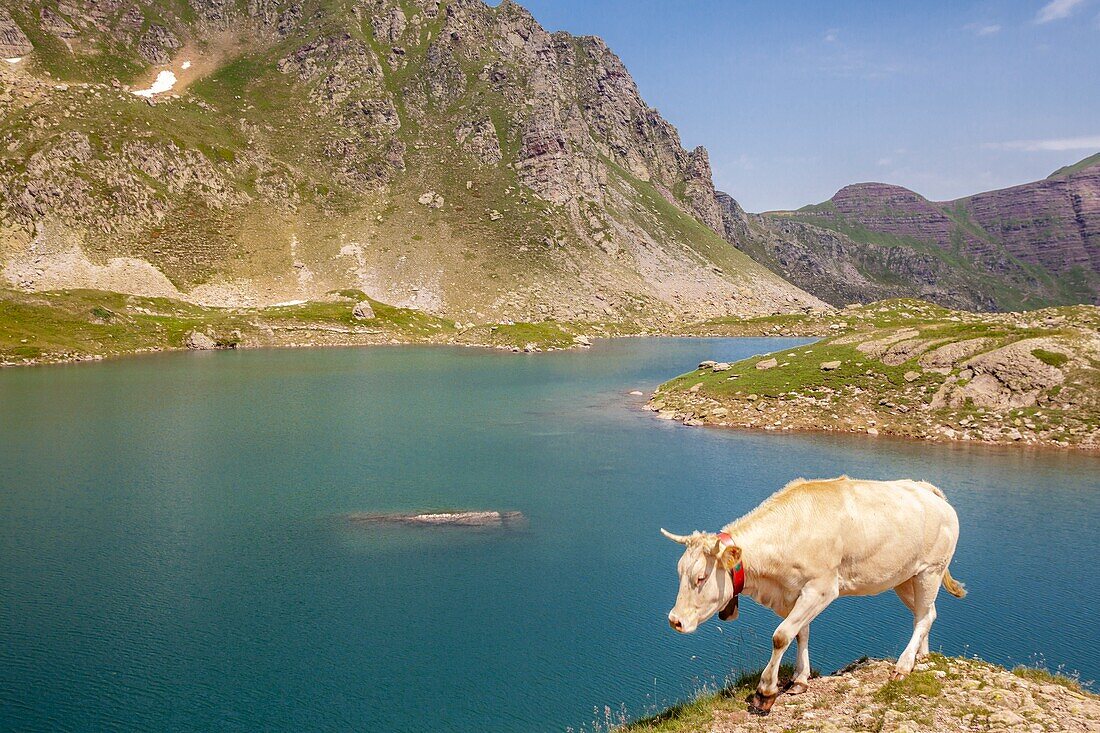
(79, 325)
(911, 369)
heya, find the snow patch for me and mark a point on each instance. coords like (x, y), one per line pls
(14, 60)
(286, 303)
(165, 81)
(186, 65)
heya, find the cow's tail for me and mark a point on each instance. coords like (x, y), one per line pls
(953, 586)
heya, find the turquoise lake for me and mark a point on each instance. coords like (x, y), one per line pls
(173, 553)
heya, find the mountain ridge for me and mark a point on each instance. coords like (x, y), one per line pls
(1025, 246)
(448, 156)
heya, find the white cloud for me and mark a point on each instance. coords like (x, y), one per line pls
(1056, 10)
(1087, 142)
(883, 162)
(832, 35)
(984, 29)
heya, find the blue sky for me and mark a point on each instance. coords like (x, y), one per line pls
(796, 99)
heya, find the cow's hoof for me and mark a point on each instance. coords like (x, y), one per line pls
(897, 674)
(797, 688)
(761, 704)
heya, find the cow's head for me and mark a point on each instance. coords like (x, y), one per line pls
(706, 587)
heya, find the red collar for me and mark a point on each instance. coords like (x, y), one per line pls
(737, 572)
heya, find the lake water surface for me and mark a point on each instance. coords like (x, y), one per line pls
(172, 554)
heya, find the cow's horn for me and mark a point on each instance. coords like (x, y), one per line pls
(674, 537)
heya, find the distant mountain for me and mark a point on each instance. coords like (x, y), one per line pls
(449, 156)
(1026, 246)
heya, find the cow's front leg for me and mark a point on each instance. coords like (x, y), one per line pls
(801, 680)
(813, 599)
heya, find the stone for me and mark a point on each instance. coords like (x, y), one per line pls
(695, 387)
(872, 431)
(767, 364)
(722, 367)
(362, 311)
(708, 364)
(199, 341)
(581, 341)
(431, 199)
(829, 366)
(912, 376)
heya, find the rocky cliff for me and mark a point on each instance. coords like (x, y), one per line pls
(1025, 246)
(448, 156)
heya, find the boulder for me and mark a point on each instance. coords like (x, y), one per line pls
(581, 341)
(362, 311)
(829, 366)
(721, 367)
(767, 364)
(708, 364)
(912, 376)
(199, 341)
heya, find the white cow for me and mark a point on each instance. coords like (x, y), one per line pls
(810, 543)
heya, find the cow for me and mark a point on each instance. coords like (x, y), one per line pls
(810, 543)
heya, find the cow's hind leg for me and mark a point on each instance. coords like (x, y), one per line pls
(925, 587)
(800, 682)
(905, 593)
(813, 599)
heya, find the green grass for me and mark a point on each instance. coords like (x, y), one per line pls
(1046, 677)
(696, 714)
(543, 334)
(1053, 358)
(1077, 167)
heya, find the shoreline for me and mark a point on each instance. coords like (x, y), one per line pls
(687, 419)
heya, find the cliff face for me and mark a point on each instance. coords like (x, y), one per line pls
(1054, 223)
(445, 155)
(1026, 246)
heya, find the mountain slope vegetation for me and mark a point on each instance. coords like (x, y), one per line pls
(447, 156)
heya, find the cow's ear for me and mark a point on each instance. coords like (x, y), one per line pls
(728, 554)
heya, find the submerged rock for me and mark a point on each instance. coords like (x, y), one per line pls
(440, 519)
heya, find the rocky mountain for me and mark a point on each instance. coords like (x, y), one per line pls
(1026, 246)
(444, 155)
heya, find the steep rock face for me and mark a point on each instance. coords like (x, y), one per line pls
(293, 154)
(13, 41)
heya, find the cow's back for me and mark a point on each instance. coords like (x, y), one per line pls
(870, 532)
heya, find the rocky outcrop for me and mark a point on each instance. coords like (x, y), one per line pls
(199, 341)
(941, 694)
(362, 311)
(13, 41)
